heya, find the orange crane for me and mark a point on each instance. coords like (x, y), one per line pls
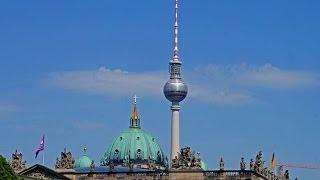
(273, 164)
(300, 166)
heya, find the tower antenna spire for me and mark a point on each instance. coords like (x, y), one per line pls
(176, 34)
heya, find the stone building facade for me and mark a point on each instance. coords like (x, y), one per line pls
(171, 175)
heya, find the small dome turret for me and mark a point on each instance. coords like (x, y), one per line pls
(84, 161)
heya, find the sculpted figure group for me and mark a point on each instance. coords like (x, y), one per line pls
(66, 160)
(258, 166)
(17, 162)
(186, 160)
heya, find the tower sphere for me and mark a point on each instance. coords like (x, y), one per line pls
(175, 90)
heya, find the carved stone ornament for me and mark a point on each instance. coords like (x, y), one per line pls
(66, 161)
(186, 160)
(17, 162)
(39, 175)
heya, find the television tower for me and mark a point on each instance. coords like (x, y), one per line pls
(175, 90)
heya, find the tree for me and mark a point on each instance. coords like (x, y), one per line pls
(6, 172)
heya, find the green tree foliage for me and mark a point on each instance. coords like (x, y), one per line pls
(6, 172)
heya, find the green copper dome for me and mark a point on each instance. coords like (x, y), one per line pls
(134, 146)
(204, 166)
(83, 161)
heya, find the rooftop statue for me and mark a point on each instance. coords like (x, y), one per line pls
(92, 166)
(242, 164)
(251, 165)
(17, 163)
(66, 160)
(280, 171)
(221, 164)
(265, 172)
(258, 166)
(131, 166)
(281, 174)
(286, 175)
(111, 166)
(151, 164)
(186, 160)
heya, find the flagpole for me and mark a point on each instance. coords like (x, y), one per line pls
(43, 158)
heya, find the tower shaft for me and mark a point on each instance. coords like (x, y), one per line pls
(175, 130)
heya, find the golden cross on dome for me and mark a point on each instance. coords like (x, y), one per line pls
(135, 97)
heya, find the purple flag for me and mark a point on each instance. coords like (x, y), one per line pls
(40, 147)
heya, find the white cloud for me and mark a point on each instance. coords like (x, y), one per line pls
(220, 96)
(88, 125)
(8, 108)
(106, 81)
(214, 84)
(266, 76)
(270, 76)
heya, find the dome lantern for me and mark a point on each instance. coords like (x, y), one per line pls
(135, 117)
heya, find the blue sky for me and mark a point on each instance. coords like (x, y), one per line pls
(69, 70)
